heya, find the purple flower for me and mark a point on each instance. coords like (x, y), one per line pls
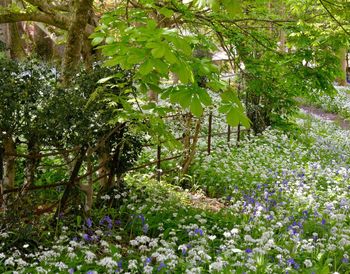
(107, 220)
(290, 261)
(89, 222)
(161, 266)
(148, 261)
(142, 218)
(120, 266)
(198, 231)
(323, 222)
(248, 250)
(145, 228)
(86, 237)
(345, 260)
(71, 270)
(184, 251)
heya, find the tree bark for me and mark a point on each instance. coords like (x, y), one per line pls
(9, 162)
(75, 40)
(1, 177)
(343, 66)
(16, 42)
(31, 165)
(71, 183)
(193, 148)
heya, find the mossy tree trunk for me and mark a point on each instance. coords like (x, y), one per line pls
(76, 37)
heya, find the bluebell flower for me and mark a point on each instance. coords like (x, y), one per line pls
(145, 228)
(148, 261)
(198, 231)
(248, 250)
(161, 266)
(290, 261)
(71, 270)
(108, 220)
(142, 218)
(89, 222)
(345, 260)
(86, 237)
(323, 222)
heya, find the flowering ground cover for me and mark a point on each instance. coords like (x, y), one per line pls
(339, 103)
(285, 198)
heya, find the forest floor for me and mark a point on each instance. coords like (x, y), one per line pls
(326, 116)
(278, 203)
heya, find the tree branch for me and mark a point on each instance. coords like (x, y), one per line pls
(335, 19)
(34, 16)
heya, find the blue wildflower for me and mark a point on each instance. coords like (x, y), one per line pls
(89, 222)
(161, 266)
(86, 237)
(248, 250)
(148, 261)
(145, 228)
(198, 231)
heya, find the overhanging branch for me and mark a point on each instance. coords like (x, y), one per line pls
(35, 17)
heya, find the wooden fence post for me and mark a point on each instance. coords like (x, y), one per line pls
(228, 134)
(238, 134)
(159, 151)
(209, 131)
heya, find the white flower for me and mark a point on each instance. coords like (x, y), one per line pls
(217, 266)
(108, 262)
(227, 234)
(132, 264)
(106, 197)
(61, 265)
(10, 261)
(308, 263)
(89, 256)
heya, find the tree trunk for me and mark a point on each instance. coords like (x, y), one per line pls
(88, 188)
(43, 44)
(76, 37)
(343, 65)
(9, 169)
(1, 177)
(31, 165)
(16, 42)
(5, 31)
(71, 183)
(192, 152)
(104, 171)
(9, 163)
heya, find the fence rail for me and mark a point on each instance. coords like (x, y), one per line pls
(159, 160)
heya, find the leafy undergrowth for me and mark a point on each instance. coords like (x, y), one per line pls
(283, 206)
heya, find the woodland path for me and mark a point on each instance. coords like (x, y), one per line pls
(326, 116)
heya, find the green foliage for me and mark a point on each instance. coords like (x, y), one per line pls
(154, 53)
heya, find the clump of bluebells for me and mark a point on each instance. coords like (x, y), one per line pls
(286, 202)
